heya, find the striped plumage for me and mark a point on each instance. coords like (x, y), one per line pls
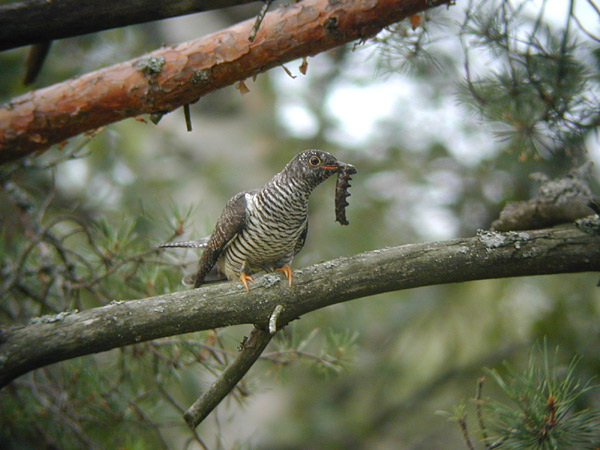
(264, 228)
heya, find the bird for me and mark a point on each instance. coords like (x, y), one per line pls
(263, 229)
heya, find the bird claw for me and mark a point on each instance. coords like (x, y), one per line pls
(245, 279)
(287, 270)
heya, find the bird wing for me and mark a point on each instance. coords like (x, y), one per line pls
(232, 221)
(301, 239)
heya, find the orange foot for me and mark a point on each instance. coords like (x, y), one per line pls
(287, 270)
(244, 279)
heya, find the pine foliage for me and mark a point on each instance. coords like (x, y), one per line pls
(543, 408)
(543, 89)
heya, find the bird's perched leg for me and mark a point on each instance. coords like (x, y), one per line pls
(287, 270)
(245, 279)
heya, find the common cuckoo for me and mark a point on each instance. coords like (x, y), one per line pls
(263, 229)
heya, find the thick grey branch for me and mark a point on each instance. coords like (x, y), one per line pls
(30, 21)
(488, 255)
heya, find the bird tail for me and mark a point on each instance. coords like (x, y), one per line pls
(189, 279)
(198, 243)
(211, 277)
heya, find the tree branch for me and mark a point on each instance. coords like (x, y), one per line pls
(173, 76)
(31, 21)
(562, 200)
(233, 373)
(50, 339)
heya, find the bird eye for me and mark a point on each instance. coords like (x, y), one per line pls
(314, 161)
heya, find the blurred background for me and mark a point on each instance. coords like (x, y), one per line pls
(444, 116)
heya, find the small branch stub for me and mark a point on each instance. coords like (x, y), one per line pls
(273, 319)
(259, 18)
(188, 117)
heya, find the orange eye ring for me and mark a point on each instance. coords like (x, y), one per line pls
(314, 161)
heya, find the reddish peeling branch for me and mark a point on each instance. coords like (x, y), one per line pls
(173, 76)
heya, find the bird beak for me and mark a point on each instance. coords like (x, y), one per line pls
(340, 167)
(343, 167)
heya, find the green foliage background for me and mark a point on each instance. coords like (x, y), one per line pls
(365, 374)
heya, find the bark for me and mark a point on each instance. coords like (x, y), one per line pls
(32, 21)
(177, 75)
(488, 255)
(562, 200)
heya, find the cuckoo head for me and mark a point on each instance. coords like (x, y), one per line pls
(314, 166)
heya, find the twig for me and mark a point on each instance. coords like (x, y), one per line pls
(148, 421)
(60, 415)
(584, 30)
(250, 352)
(593, 5)
(259, 19)
(35, 60)
(188, 116)
(478, 402)
(112, 269)
(463, 426)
